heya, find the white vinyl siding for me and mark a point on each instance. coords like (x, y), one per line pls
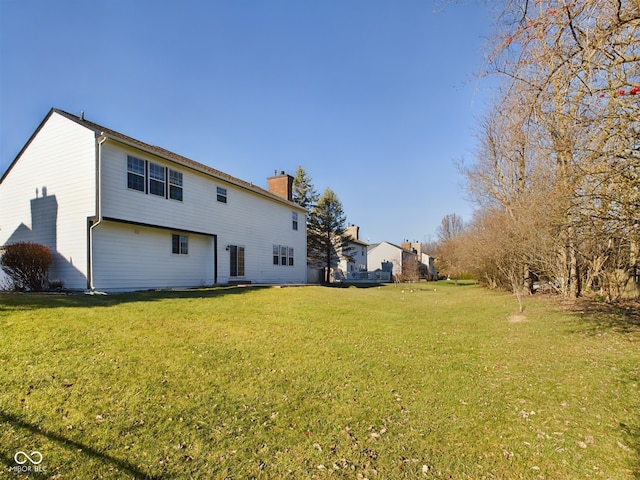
(250, 220)
(51, 192)
(130, 257)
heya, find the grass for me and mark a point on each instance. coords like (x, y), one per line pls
(315, 382)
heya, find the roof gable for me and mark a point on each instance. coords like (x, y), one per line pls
(26, 145)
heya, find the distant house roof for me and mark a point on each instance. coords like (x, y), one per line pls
(161, 152)
(374, 245)
(355, 241)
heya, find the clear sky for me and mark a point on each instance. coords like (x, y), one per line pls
(376, 99)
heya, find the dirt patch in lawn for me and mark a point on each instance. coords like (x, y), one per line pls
(517, 317)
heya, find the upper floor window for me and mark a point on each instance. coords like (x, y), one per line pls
(221, 194)
(136, 173)
(149, 177)
(294, 220)
(175, 185)
(157, 182)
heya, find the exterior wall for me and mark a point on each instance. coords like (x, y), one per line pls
(247, 219)
(131, 257)
(385, 252)
(358, 253)
(429, 261)
(51, 191)
(48, 194)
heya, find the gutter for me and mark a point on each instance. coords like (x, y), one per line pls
(100, 140)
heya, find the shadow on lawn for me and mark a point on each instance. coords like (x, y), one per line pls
(69, 444)
(622, 317)
(632, 437)
(31, 301)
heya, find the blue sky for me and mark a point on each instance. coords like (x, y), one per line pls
(376, 99)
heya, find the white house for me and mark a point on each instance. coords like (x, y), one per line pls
(120, 214)
(430, 271)
(355, 262)
(387, 256)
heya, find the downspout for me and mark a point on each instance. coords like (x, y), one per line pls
(101, 139)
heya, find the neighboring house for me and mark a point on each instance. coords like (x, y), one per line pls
(119, 214)
(430, 271)
(384, 255)
(355, 260)
(426, 262)
(406, 259)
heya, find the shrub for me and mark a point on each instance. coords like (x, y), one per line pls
(27, 264)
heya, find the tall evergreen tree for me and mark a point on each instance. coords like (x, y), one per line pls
(304, 193)
(325, 232)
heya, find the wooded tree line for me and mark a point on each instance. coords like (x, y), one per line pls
(556, 179)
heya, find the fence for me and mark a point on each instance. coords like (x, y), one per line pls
(377, 277)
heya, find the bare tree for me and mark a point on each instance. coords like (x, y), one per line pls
(562, 140)
(450, 227)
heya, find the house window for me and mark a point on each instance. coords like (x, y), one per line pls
(180, 244)
(221, 194)
(175, 185)
(135, 173)
(139, 172)
(283, 255)
(156, 179)
(294, 220)
(237, 261)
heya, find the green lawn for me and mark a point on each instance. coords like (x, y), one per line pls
(313, 382)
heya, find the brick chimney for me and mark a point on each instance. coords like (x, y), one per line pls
(414, 247)
(281, 185)
(353, 231)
